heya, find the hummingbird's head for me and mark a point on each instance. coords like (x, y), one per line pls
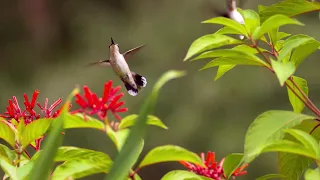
(113, 46)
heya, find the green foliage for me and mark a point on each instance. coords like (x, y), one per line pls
(169, 153)
(268, 127)
(79, 121)
(7, 154)
(288, 8)
(231, 163)
(44, 163)
(251, 19)
(296, 103)
(9, 169)
(130, 120)
(312, 174)
(283, 70)
(229, 23)
(271, 176)
(273, 22)
(33, 131)
(182, 175)
(131, 148)
(208, 42)
(7, 133)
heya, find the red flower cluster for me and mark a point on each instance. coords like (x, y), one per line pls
(100, 106)
(28, 114)
(212, 169)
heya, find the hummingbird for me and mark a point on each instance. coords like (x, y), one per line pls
(131, 80)
(232, 13)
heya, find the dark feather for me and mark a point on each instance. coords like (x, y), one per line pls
(130, 52)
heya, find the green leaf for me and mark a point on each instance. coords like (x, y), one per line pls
(296, 103)
(34, 130)
(288, 8)
(182, 175)
(78, 121)
(289, 147)
(132, 147)
(80, 167)
(283, 70)
(300, 53)
(294, 42)
(25, 170)
(7, 133)
(271, 176)
(233, 61)
(267, 128)
(170, 153)
(282, 35)
(208, 42)
(44, 163)
(231, 163)
(251, 19)
(306, 139)
(130, 120)
(273, 22)
(9, 169)
(229, 23)
(7, 154)
(292, 165)
(227, 30)
(222, 70)
(229, 53)
(273, 35)
(312, 174)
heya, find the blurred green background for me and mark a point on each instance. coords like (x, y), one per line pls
(46, 45)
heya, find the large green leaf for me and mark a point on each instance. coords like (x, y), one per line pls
(7, 154)
(283, 70)
(292, 165)
(233, 53)
(130, 120)
(7, 133)
(306, 139)
(43, 164)
(132, 147)
(273, 35)
(271, 176)
(79, 121)
(227, 30)
(25, 170)
(294, 42)
(289, 147)
(229, 23)
(233, 61)
(33, 131)
(9, 169)
(269, 127)
(80, 167)
(288, 8)
(231, 163)
(312, 174)
(251, 19)
(208, 42)
(170, 153)
(273, 22)
(296, 103)
(300, 53)
(222, 70)
(182, 175)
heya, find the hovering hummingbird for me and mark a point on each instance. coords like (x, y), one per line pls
(232, 13)
(132, 81)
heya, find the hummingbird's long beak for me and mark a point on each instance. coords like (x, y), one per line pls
(112, 42)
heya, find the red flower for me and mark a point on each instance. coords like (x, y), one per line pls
(28, 114)
(100, 106)
(212, 169)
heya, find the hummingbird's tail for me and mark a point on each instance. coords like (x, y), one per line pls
(140, 82)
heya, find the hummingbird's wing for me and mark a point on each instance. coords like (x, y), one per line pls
(100, 63)
(130, 52)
